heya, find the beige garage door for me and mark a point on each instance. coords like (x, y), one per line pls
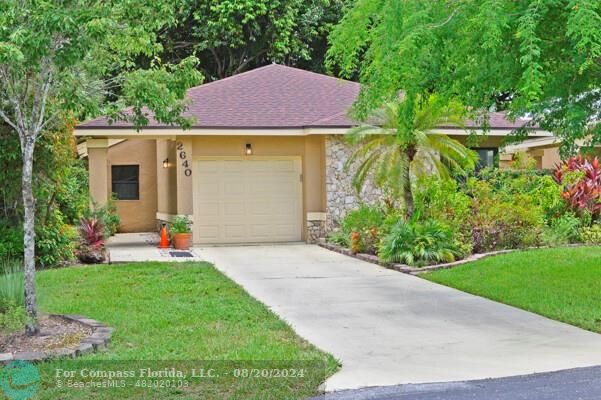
(247, 200)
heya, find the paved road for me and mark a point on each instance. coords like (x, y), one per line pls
(389, 328)
(575, 384)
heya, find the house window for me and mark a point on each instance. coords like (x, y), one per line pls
(487, 157)
(126, 181)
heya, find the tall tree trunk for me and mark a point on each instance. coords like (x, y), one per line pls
(28, 145)
(407, 190)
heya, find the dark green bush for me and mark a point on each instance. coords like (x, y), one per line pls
(11, 243)
(55, 242)
(60, 186)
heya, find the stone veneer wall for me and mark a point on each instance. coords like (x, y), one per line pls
(341, 197)
(316, 230)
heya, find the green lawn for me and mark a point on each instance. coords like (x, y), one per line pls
(180, 311)
(563, 283)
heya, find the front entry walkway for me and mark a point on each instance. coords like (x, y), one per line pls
(388, 328)
(134, 247)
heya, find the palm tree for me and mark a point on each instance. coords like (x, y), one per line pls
(401, 144)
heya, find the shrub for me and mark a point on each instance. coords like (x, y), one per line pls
(106, 214)
(340, 238)
(92, 241)
(537, 185)
(418, 244)
(591, 234)
(365, 222)
(364, 218)
(443, 201)
(55, 242)
(498, 221)
(562, 230)
(580, 179)
(180, 224)
(72, 196)
(12, 318)
(11, 242)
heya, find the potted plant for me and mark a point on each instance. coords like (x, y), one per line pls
(181, 235)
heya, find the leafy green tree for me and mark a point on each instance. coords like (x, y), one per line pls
(58, 58)
(232, 36)
(537, 58)
(398, 148)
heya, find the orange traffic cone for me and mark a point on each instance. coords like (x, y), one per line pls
(164, 244)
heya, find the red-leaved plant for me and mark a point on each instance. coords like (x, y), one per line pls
(582, 191)
(91, 241)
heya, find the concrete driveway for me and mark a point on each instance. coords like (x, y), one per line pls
(388, 328)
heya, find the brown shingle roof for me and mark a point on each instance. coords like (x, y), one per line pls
(274, 96)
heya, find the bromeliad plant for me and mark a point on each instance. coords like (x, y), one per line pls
(580, 178)
(92, 241)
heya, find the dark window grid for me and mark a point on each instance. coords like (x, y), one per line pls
(126, 181)
(482, 151)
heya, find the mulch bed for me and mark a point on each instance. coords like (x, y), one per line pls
(55, 333)
(59, 336)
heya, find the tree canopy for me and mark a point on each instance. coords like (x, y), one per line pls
(232, 36)
(77, 58)
(535, 58)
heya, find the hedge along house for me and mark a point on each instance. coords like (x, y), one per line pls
(264, 161)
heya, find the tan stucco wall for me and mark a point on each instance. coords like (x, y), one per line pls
(137, 215)
(309, 148)
(166, 177)
(550, 158)
(98, 175)
(545, 158)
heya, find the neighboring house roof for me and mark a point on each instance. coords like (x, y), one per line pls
(276, 96)
(532, 144)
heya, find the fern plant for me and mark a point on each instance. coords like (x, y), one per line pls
(419, 244)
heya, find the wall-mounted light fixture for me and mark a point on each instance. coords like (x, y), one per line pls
(248, 150)
(166, 163)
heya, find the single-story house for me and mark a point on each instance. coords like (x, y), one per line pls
(544, 151)
(263, 163)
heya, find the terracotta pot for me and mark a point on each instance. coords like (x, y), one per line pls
(182, 241)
